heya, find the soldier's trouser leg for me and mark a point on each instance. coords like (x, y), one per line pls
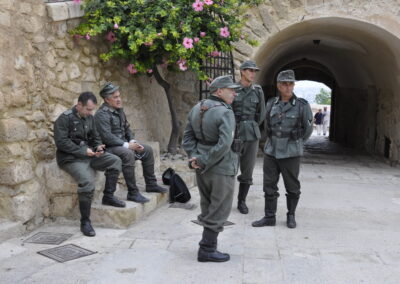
(147, 158)
(290, 172)
(216, 194)
(128, 170)
(271, 171)
(247, 164)
(84, 176)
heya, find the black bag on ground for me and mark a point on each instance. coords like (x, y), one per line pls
(178, 191)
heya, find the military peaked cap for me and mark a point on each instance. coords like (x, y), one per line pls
(286, 76)
(223, 82)
(249, 65)
(108, 89)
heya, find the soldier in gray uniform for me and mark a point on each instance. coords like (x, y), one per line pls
(79, 149)
(288, 125)
(115, 132)
(207, 140)
(249, 109)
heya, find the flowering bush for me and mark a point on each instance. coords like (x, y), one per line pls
(177, 34)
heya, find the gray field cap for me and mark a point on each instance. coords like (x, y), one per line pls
(286, 76)
(249, 65)
(223, 82)
(108, 89)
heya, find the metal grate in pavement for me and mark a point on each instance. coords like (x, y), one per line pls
(66, 253)
(48, 238)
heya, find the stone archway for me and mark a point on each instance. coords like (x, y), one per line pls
(358, 58)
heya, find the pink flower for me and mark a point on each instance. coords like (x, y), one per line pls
(215, 53)
(150, 43)
(242, 36)
(116, 26)
(188, 42)
(131, 69)
(196, 39)
(198, 5)
(77, 1)
(182, 64)
(202, 34)
(224, 32)
(87, 36)
(76, 36)
(149, 71)
(159, 34)
(111, 37)
(208, 2)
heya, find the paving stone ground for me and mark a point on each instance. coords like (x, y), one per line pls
(348, 232)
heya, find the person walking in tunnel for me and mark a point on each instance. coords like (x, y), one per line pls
(115, 132)
(249, 109)
(79, 150)
(288, 126)
(207, 140)
(318, 117)
(326, 120)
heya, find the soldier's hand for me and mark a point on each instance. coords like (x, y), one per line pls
(100, 150)
(136, 147)
(193, 163)
(90, 153)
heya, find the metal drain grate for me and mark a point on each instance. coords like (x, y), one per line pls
(48, 238)
(66, 253)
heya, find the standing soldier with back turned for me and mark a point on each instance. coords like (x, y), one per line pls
(249, 109)
(288, 125)
(207, 140)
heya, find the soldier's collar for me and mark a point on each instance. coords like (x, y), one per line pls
(215, 98)
(75, 112)
(106, 106)
(292, 101)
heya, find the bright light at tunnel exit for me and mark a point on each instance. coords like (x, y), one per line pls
(309, 89)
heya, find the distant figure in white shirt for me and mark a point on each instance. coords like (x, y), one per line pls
(326, 120)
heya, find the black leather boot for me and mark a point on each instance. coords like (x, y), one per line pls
(291, 203)
(270, 211)
(208, 248)
(133, 191)
(148, 174)
(109, 189)
(243, 191)
(86, 226)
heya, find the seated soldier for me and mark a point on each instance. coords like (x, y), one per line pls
(114, 130)
(79, 149)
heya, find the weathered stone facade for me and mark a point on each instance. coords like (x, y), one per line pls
(352, 46)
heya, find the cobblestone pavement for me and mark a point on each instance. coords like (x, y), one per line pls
(348, 232)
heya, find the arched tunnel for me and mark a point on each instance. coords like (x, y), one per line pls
(359, 61)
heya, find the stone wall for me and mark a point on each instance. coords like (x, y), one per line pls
(42, 71)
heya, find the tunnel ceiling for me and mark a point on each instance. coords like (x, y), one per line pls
(351, 53)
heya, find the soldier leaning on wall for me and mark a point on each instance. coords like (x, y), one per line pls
(79, 150)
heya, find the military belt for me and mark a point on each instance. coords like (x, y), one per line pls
(208, 143)
(245, 117)
(281, 134)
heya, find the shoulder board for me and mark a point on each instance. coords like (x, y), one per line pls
(106, 108)
(273, 100)
(257, 86)
(67, 112)
(303, 101)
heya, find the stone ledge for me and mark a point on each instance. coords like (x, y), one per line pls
(62, 11)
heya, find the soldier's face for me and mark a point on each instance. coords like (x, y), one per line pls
(115, 100)
(286, 88)
(85, 110)
(227, 95)
(249, 74)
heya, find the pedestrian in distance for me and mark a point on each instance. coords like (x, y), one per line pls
(318, 119)
(288, 125)
(208, 140)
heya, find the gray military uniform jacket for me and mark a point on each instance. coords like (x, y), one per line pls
(249, 109)
(218, 124)
(288, 126)
(112, 125)
(73, 135)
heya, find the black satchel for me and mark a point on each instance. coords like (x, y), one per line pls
(178, 191)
